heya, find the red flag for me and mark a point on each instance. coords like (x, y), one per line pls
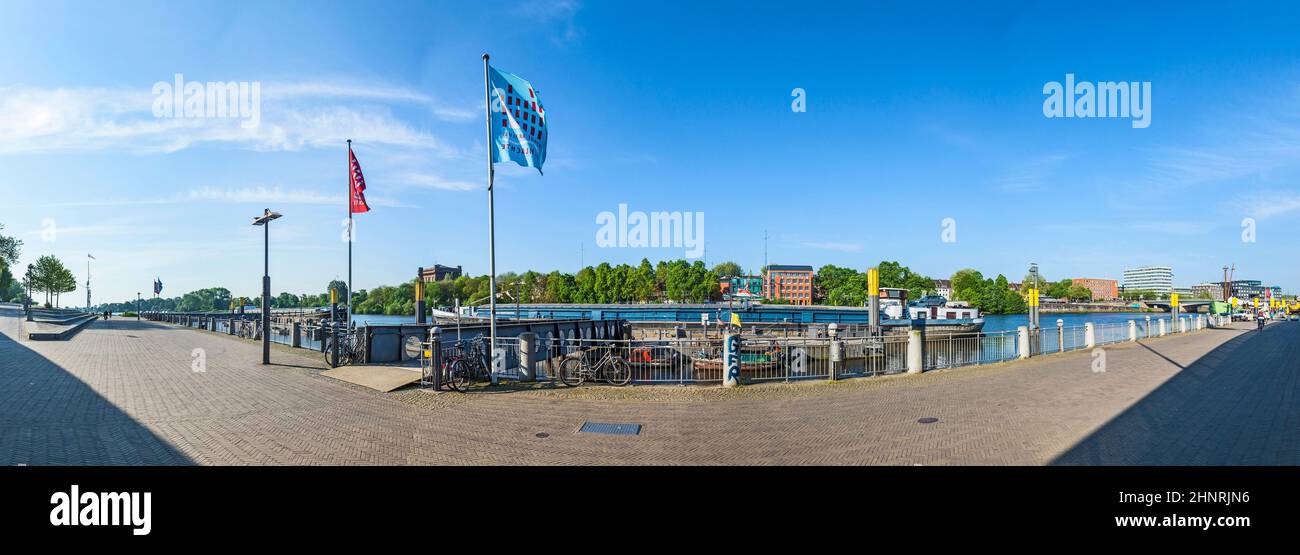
(358, 184)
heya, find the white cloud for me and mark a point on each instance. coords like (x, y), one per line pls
(431, 181)
(1028, 175)
(294, 116)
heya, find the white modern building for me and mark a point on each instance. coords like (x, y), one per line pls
(1152, 278)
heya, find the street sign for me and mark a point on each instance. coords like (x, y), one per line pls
(1173, 299)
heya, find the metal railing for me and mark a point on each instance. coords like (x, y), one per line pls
(969, 349)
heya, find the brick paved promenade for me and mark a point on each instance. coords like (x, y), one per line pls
(122, 392)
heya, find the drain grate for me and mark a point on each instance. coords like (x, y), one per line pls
(611, 429)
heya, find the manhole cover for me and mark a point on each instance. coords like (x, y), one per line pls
(928, 420)
(542, 435)
(611, 429)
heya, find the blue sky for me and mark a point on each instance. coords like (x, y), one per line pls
(915, 113)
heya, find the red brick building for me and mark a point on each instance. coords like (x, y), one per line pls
(1102, 289)
(791, 283)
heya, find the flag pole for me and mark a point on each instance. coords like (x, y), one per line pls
(492, 241)
(350, 178)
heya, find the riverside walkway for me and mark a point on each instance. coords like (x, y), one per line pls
(126, 392)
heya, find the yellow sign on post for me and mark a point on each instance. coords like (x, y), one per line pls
(873, 282)
(334, 296)
(1033, 297)
(1173, 299)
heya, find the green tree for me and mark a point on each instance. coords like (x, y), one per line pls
(725, 269)
(1079, 293)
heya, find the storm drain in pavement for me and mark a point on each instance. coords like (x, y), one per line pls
(611, 429)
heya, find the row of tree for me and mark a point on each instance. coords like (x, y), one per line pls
(48, 276)
(10, 288)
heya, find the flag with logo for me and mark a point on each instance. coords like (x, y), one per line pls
(157, 286)
(357, 182)
(517, 120)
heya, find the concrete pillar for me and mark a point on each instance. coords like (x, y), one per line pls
(837, 357)
(1022, 341)
(915, 348)
(1132, 330)
(1089, 335)
(1161, 332)
(527, 356)
(230, 326)
(1182, 325)
(297, 334)
(731, 359)
(1060, 335)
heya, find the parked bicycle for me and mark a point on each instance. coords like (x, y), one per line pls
(466, 366)
(608, 366)
(350, 349)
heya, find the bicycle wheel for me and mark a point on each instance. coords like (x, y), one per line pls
(329, 353)
(619, 372)
(572, 372)
(460, 376)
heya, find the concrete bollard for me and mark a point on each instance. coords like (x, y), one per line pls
(1161, 332)
(527, 356)
(837, 357)
(837, 348)
(1022, 341)
(435, 357)
(297, 334)
(1182, 325)
(1132, 330)
(1089, 335)
(915, 348)
(731, 360)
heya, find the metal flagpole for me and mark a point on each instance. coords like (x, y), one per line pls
(351, 177)
(492, 241)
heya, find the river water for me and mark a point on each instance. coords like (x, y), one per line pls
(1004, 322)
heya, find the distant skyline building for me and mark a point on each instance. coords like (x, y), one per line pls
(741, 287)
(439, 272)
(1102, 289)
(788, 282)
(1150, 278)
(943, 288)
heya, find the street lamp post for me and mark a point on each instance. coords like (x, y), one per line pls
(264, 220)
(137, 306)
(28, 301)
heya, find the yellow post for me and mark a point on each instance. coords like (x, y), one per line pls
(873, 300)
(1173, 300)
(334, 296)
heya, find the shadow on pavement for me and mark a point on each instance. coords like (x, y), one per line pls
(48, 416)
(1236, 405)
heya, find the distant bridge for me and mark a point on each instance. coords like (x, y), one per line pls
(1183, 305)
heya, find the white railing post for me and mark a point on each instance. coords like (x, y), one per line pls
(1089, 335)
(1022, 339)
(1162, 328)
(1132, 330)
(915, 362)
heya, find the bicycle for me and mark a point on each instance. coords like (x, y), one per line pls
(609, 367)
(349, 350)
(466, 366)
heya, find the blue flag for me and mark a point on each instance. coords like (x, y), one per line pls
(517, 120)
